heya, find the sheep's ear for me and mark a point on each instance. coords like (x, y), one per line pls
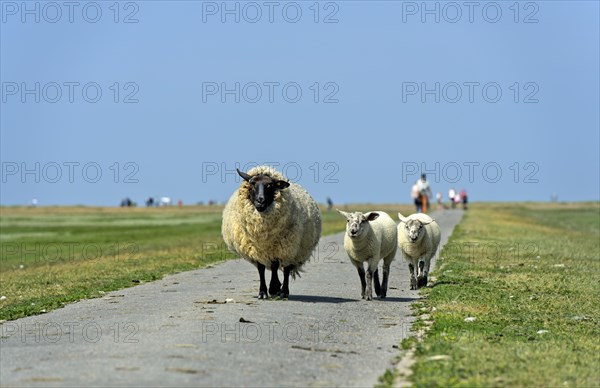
(282, 185)
(343, 213)
(402, 218)
(372, 216)
(244, 175)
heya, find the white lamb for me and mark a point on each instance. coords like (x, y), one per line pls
(371, 237)
(271, 222)
(418, 238)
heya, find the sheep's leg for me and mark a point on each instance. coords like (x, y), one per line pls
(421, 278)
(376, 282)
(262, 293)
(424, 265)
(372, 267)
(361, 275)
(275, 285)
(386, 273)
(369, 286)
(413, 279)
(427, 264)
(384, 282)
(285, 289)
(426, 271)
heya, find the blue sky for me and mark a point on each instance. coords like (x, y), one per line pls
(516, 116)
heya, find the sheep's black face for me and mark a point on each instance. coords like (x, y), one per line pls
(263, 189)
(414, 230)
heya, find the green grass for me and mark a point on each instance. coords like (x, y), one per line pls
(53, 256)
(529, 275)
(50, 256)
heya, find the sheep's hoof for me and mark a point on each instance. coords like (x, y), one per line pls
(413, 284)
(383, 294)
(275, 290)
(262, 295)
(422, 281)
(283, 295)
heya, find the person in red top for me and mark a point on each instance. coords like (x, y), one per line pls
(463, 198)
(424, 191)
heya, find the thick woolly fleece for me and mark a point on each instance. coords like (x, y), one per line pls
(287, 231)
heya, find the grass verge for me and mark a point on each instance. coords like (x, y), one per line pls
(515, 302)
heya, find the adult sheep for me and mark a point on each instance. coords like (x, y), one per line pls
(418, 239)
(272, 223)
(371, 237)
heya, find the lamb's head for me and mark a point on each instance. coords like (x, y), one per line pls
(263, 189)
(358, 223)
(413, 228)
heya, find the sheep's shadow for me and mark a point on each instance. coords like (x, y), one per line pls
(397, 299)
(319, 299)
(442, 283)
(336, 300)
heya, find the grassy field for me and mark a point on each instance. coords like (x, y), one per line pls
(50, 256)
(516, 300)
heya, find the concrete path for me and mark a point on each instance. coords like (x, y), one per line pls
(180, 332)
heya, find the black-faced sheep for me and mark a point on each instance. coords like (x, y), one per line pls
(272, 223)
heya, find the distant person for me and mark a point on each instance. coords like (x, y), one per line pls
(438, 198)
(464, 198)
(329, 204)
(126, 202)
(414, 194)
(451, 196)
(424, 192)
(34, 202)
(180, 203)
(150, 202)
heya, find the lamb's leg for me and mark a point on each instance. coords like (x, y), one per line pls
(262, 293)
(376, 282)
(361, 275)
(386, 273)
(275, 285)
(369, 287)
(371, 268)
(413, 279)
(422, 277)
(426, 270)
(424, 265)
(285, 289)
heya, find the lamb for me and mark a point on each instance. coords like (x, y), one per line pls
(272, 223)
(371, 237)
(418, 238)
